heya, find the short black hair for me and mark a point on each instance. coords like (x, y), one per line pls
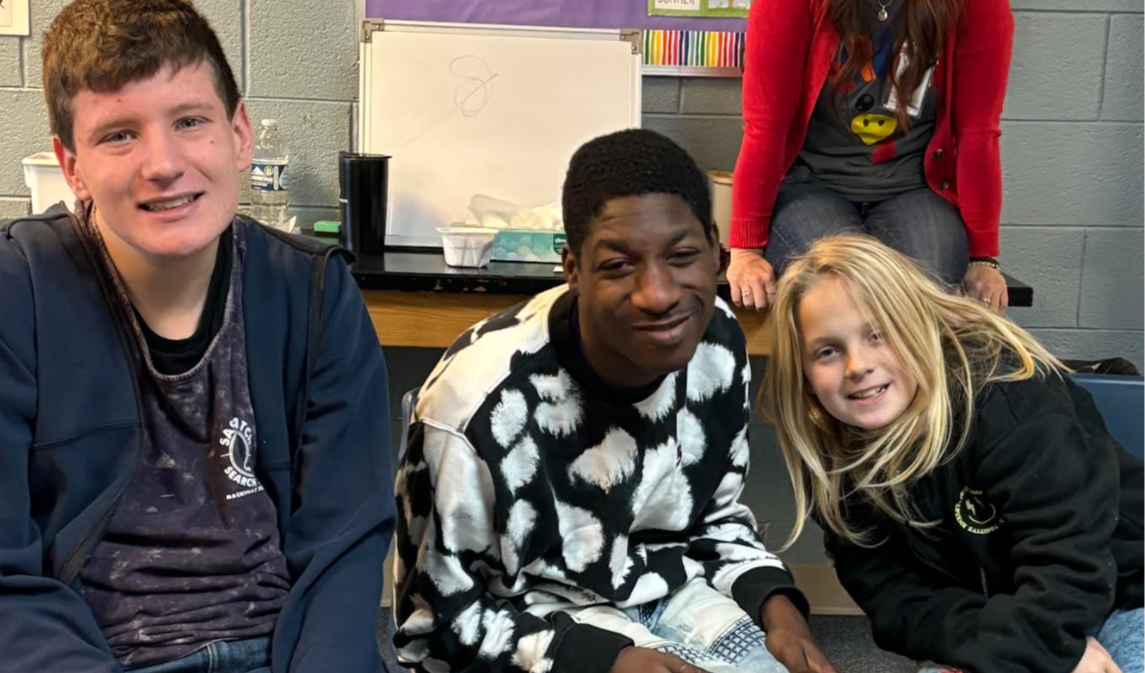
(633, 162)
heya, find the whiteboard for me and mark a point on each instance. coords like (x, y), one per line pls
(469, 109)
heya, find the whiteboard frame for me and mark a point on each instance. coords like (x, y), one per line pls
(369, 27)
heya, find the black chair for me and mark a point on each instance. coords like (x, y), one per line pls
(389, 655)
(409, 402)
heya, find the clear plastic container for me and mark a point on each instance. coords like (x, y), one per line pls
(467, 246)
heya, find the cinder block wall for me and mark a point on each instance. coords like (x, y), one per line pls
(295, 61)
(1071, 144)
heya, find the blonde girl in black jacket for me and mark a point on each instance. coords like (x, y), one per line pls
(976, 507)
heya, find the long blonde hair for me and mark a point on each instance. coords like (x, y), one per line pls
(951, 345)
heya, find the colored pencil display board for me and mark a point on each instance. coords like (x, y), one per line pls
(693, 48)
(700, 8)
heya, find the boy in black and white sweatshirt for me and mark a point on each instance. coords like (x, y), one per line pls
(570, 491)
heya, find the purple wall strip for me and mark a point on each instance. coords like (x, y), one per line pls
(564, 13)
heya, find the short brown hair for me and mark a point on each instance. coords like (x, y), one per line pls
(103, 45)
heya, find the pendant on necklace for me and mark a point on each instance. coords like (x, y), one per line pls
(883, 14)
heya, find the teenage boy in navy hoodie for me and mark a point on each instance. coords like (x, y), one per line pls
(193, 436)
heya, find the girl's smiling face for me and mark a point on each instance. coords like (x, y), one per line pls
(852, 370)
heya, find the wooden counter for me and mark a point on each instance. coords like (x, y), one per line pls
(434, 319)
(416, 299)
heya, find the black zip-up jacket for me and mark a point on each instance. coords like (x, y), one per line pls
(1039, 539)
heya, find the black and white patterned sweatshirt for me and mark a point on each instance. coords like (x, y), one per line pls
(529, 486)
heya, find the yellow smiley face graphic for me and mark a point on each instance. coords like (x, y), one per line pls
(873, 128)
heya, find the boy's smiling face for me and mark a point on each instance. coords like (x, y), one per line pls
(646, 275)
(161, 159)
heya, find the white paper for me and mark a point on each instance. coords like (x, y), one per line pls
(494, 213)
(679, 5)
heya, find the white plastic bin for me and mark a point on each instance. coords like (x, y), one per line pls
(43, 175)
(467, 246)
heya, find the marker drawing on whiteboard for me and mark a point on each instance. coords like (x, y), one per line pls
(478, 78)
(470, 96)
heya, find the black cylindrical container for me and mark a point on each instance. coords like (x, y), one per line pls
(363, 180)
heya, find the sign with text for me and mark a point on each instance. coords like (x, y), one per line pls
(676, 5)
(721, 9)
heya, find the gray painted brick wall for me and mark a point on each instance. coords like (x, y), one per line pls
(1071, 144)
(295, 63)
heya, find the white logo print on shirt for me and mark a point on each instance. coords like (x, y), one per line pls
(237, 439)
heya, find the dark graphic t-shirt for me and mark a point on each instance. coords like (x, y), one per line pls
(191, 554)
(175, 356)
(855, 145)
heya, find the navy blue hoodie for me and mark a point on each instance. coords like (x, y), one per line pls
(70, 434)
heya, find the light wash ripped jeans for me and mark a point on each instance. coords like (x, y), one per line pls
(696, 623)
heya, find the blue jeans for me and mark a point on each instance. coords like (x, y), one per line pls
(224, 656)
(920, 224)
(1122, 635)
(696, 623)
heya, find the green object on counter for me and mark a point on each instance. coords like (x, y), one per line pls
(327, 227)
(528, 245)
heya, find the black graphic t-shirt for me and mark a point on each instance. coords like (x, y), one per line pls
(855, 145)
(191, 554)
(175, 356)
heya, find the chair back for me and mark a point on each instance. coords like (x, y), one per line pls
(1121, 400)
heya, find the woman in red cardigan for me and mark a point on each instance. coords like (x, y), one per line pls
(878, 116)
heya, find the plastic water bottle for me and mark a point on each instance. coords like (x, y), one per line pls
(270, 199)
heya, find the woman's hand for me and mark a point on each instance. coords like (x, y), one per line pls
(751, 278)
(983, 283)
(1096, 659)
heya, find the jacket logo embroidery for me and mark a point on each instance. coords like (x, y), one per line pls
(976, 515)
(237, 440)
